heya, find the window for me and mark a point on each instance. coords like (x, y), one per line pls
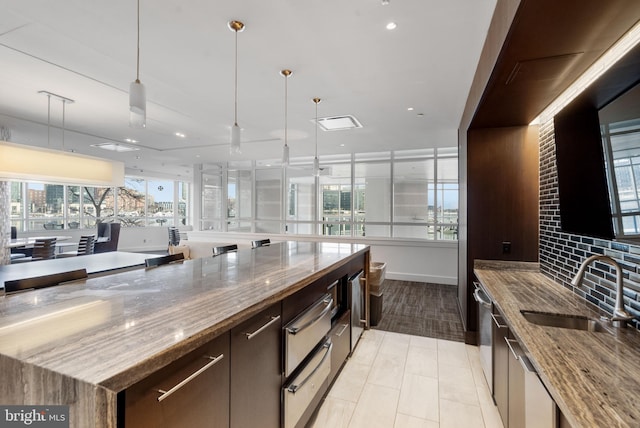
(132, 202)
(335, 196)
(372, 198)
(160, 197)
(38, 206)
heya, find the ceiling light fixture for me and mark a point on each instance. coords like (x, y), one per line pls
(392, 26)
(285, 150)
(316, 162)
(137, 92)
(24, 163)
(237, 27)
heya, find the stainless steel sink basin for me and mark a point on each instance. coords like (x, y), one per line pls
(575, 322)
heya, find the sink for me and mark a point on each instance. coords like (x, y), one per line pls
(575, 322)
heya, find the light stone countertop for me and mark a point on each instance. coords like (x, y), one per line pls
(99, 336)
(592, 376)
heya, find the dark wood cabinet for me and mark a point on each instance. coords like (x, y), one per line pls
(193, 391)
(256, 370)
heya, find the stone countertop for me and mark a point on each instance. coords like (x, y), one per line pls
(592, 376)
(113, 331)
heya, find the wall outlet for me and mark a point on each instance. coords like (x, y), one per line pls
(506, 247)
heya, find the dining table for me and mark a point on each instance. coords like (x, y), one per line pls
(95, 264)
(29, 241)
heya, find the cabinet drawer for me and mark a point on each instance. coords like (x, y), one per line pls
(191, 391)
(341, 338)
(256, 370)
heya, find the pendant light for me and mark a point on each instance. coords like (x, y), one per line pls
(137, 92)
(237, 27)
(316, 162)
(285, 150)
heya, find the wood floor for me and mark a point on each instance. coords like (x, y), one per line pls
(421, 309)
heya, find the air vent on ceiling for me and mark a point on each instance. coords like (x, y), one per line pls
(115, 147)
(338, 123)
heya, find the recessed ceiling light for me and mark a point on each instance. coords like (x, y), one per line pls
(180, 134)
(115, 147)
(342, 145)
(392, 26)
(410, 109)
(337, 123)
(130, 140)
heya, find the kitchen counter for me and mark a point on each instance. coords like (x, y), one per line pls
(82, 343)
(592, 376)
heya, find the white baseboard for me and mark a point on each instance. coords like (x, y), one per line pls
(399, 276)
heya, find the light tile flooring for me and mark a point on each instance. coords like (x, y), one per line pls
(400, 381)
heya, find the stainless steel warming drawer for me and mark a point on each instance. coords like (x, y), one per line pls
(311, 381)
(304, 333)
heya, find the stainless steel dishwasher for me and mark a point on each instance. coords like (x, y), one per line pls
(481, 296)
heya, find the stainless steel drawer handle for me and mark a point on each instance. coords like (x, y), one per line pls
(478, 297)
(297, 329)
(261, 329)
(211, 363)
(344, 327)
(295, 388)
(520, 356)
(495, 317)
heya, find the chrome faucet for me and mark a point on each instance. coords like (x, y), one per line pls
(620, 315)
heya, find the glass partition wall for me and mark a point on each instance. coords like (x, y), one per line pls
(402, 194)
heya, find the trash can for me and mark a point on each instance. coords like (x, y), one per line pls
(376, 275)
(375, 306)
(376, 279)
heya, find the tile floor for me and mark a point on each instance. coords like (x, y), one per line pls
(397, 380)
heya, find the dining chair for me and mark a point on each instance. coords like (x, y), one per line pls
(163, 260)
(86, 246)
(43, 249)
(224, 249)
(260, 243)
(43, 281)
(174, 236)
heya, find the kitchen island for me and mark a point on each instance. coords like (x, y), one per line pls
(82, 344)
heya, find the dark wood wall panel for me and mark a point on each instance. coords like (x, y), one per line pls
(502, 199)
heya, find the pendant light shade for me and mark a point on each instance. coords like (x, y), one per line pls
(137, 105)
(316, 161)
(137, 92)
(285, 150)
(234, 148)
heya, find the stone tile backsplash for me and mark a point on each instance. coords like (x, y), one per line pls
(562, 253)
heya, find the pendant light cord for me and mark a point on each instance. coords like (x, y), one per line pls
(316, 128)
(64, 104)
(286, 77)
(49, 120)
(138, 48)
(235, 118)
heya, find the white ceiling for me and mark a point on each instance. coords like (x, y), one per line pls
(339, 50)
